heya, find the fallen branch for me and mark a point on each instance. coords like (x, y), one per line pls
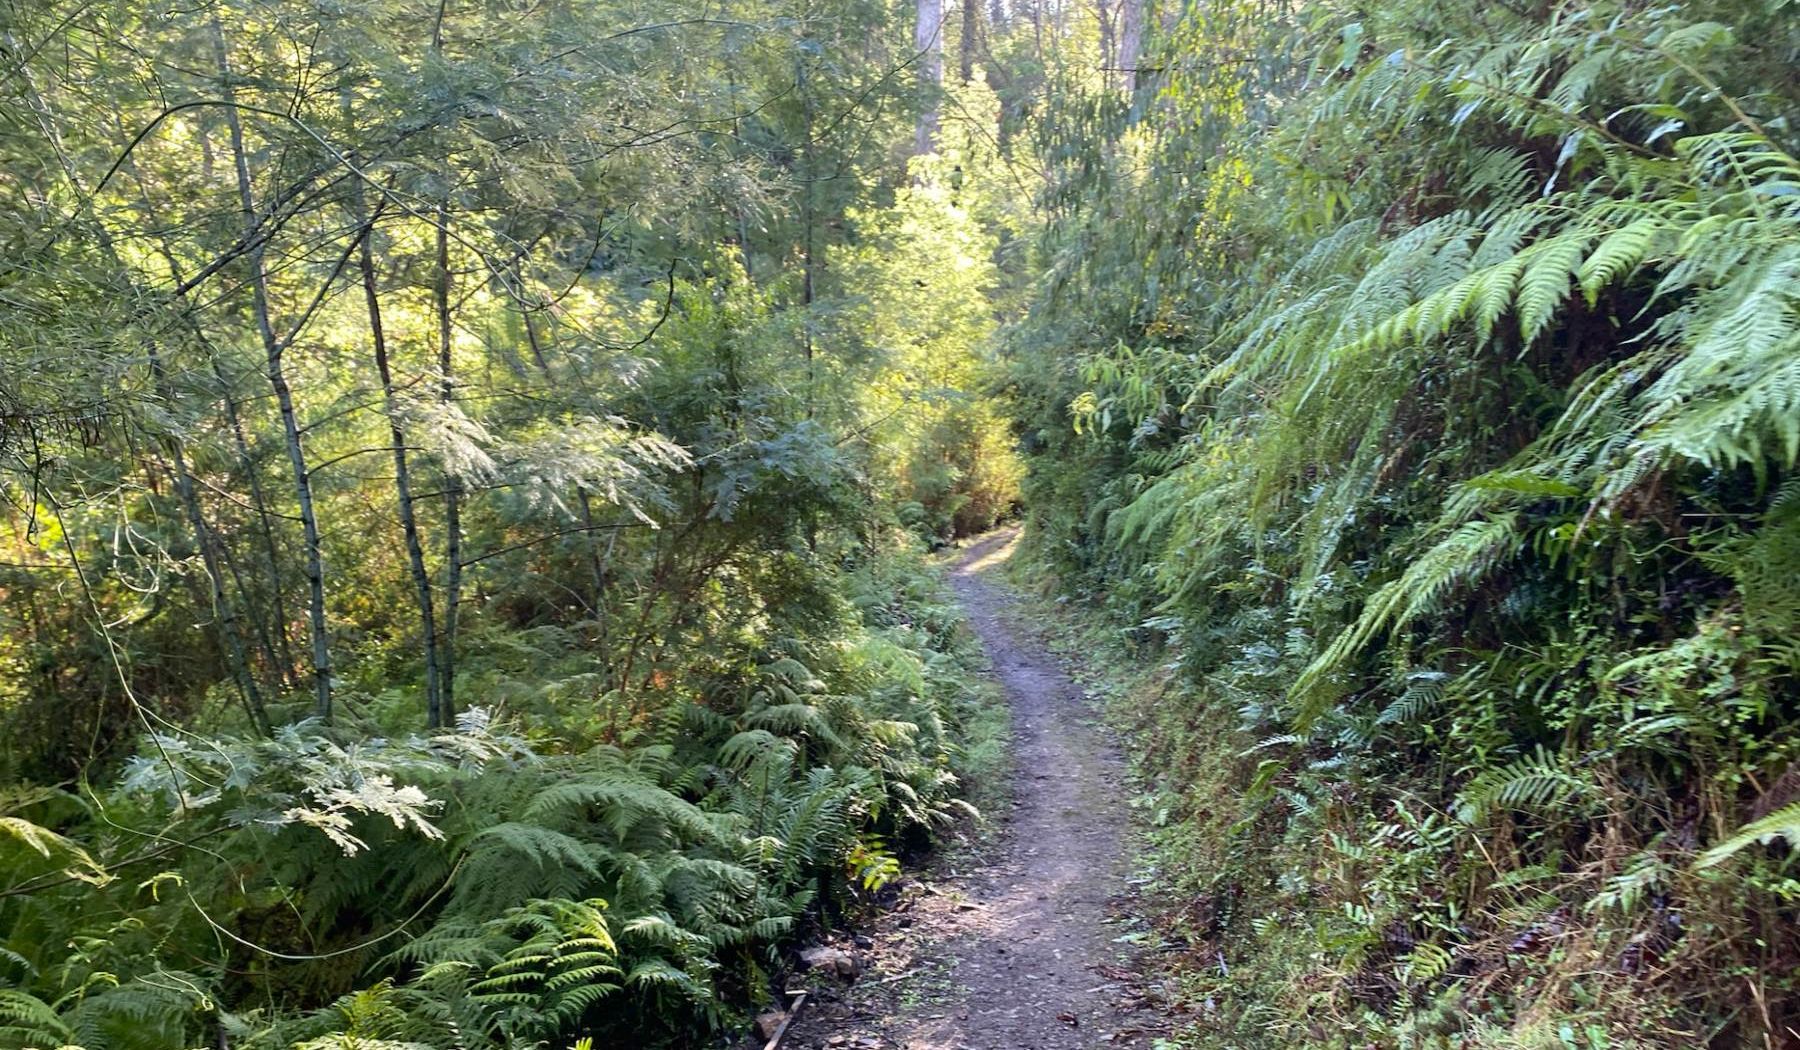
(793, 1014)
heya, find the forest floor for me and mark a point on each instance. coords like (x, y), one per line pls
(1021, 942)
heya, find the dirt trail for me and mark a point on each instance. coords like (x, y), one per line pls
(1019, 953)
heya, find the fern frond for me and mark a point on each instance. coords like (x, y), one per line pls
(1464, 556)
(1537, 781)
(1544, 281)
(1782, 824)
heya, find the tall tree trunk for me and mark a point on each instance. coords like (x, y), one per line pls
(409, 522)
(741, 210)
(971, 39)
(1103, 16)
(809, 243)
(284, 395)
(1131, 41)
(1039, 49)
(928, 42)
(453, 486)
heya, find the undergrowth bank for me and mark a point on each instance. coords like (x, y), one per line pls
(1421, 386)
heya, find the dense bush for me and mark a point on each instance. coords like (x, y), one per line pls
(1424, 381)
(453, 463)
(479, 887)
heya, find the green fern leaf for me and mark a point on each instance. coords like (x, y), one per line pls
(1544, 284)
(1782, 824)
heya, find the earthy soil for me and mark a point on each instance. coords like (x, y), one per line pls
(1021, 950)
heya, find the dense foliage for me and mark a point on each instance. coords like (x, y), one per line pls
(460, 464)
(482, 886)
(1424, 381)
(462, 469)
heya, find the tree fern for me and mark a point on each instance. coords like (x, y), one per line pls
(1618, 254)
(533, 970)
(536, 844)
(622, 805)
(1459, 559)
(26, 1020)
(1424, 690)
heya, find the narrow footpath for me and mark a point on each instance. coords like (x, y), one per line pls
(1022, 951)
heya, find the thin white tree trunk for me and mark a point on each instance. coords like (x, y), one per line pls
(1109, 51)
(928, 41)
(971, 39)
(445, 714)
(453, 488)
(409, 521)
(284, 395)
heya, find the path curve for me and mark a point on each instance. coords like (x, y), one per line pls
(1024, 947)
